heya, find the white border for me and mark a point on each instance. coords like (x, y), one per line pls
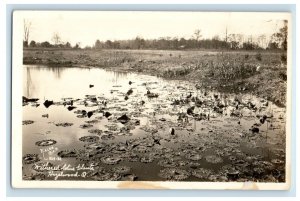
(17, 181)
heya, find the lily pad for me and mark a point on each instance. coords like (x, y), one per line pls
(267, 165)
(64, 124)
(258, 171)
(111, 160)
(112, 127)
(167, 163)
(147, 159)
(193, 165)
(96, 146)
(149, 129)
(213, 159)
(193, 156)
(155, 155)
(120, 148)
(121, 169)
(95, 131)
(142, 149)
(45, 142)
(92, 121)
(217, 178)
(30, 158)
(174, 174)
(67, 154)
(88, 155)
(202, 173)
(81, 116)
(84, 126)
(182, 163)
(89, 138)
(107, 137)
(104, 176)
(26, 122)
(230, 171)
(132, 157)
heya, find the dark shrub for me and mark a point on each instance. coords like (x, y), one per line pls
(32, 43)
(283, 58)
(283, 76)
(258, 56)
(45, 44)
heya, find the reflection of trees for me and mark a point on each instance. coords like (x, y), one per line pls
(57, 71)
(29, 88)
(29, 84)
(118, 75)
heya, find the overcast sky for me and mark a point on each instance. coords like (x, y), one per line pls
(86, 27)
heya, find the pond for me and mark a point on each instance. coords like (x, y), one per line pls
(93, 124)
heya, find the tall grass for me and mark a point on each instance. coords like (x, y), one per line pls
(227, 68)
(222, 68)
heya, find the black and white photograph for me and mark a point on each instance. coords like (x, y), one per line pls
(151, 99)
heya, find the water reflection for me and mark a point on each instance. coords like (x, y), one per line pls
(30, 84)
(57, 71)
(28, 87)
(118, 75)
(59, 82)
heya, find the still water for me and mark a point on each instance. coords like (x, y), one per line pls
(217, 147)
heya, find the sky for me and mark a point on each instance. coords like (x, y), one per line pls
(88, 26)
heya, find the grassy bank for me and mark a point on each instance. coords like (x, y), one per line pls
(260, 73)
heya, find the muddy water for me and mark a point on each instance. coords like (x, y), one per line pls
(213, 143)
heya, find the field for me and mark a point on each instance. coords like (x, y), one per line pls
(261, 73)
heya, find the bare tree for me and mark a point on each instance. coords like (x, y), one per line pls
(27, 28)
(262, 40)
(197, 34)
(226, 37)
(233, 41)
(56, 38)
(240, 39)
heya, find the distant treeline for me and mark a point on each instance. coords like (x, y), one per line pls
(173, 44)
(164, 44)
(231, 41)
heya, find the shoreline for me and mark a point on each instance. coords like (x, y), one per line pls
(198, 67)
